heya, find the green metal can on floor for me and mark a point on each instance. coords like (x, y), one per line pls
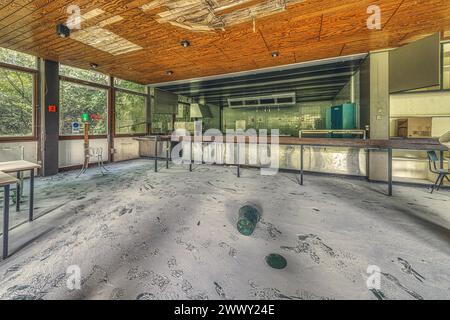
(249, 216)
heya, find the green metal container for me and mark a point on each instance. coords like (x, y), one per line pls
(249, 216)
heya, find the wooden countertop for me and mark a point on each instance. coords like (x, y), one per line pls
(401, 144)
(20, 165)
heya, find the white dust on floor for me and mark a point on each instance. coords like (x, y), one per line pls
(171, 235)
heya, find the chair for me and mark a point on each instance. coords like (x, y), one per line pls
(94, 153)
(442, 173)
(13, 153)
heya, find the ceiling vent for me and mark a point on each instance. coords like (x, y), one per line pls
(275, 100)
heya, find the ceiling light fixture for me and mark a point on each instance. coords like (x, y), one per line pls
(169, 73)
(94, 65)
(275, 54)
(185, 43)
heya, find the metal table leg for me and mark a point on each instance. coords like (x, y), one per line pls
(167, 157)
(191, 157)
(6, 222)
(156, 155)
(238, 162)
(302, 149)
(18, 186)
(31, 196)
(390, 172)
(441, 159)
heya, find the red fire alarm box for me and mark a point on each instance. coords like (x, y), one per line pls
(52, 109)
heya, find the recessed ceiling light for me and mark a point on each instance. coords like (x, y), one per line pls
(94, 65)
(275, 54)
(185, 43)
(169, 73)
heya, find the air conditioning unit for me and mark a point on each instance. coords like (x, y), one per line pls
(274, 100)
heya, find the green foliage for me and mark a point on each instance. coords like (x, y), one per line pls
(123, 84)
(16, 100)
(16, 103)
(81, 74)
(75, 100)
(131, 111)
(16, 58)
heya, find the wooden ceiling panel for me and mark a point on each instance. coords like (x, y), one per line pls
(309, 30)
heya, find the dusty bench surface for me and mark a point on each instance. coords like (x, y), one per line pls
(20, 165)
(6, 179)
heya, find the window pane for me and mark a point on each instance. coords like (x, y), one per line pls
(446, 78)
(86, 75)
(16, 103)
(131, 111)
(123, 84)
(76, 100)
(17, 58)
(162, 123)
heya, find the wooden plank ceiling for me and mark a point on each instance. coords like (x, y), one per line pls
(307, 30)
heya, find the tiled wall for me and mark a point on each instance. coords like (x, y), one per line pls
(289, 121)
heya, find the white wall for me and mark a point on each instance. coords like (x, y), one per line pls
(30, 151)
(125, 149)
(422, 104)
(71, 152)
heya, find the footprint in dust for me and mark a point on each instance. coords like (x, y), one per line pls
(232, 252)
(219, 290)
(408, 269)
(145, 296)
(172, 262)
(394, 280)
(310, 244)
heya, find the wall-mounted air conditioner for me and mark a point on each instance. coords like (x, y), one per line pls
(274, 100)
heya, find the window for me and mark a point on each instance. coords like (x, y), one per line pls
(446, 66)
(162, 123)
(86, 75)
(77, 99)
(128, 85)
(16, 103)
(16, 58)
(131, 113)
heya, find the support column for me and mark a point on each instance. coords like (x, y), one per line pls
(377, 103)
(50, 117)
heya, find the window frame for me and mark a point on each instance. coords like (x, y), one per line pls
(35, 105)
(443, 44)
(108, 106)
(113, 115)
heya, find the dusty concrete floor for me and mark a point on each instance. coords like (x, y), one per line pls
(140, 235)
